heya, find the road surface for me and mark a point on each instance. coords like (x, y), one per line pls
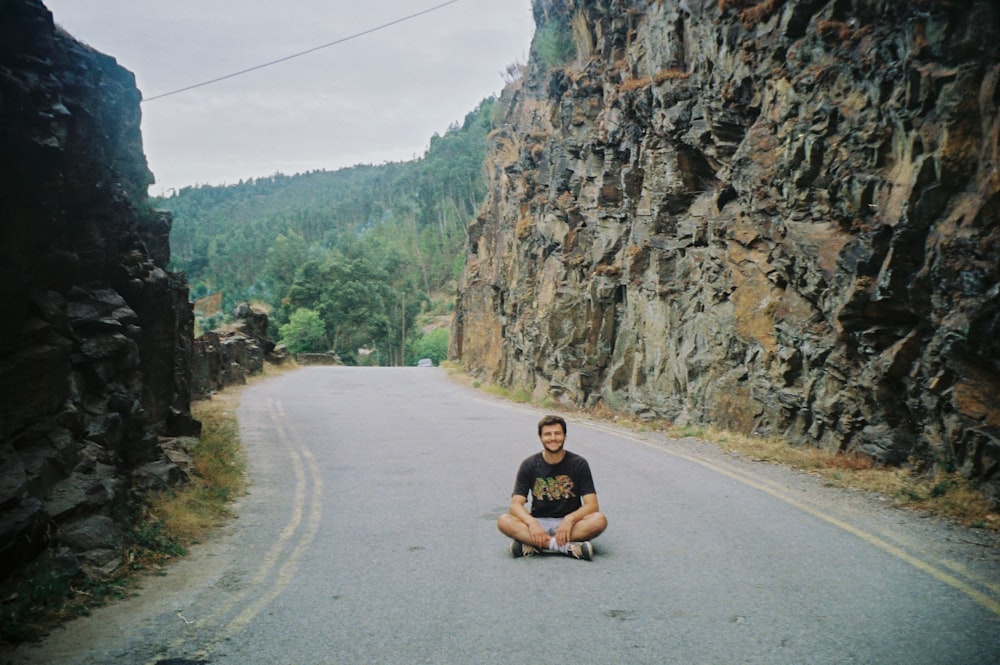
(368, 536)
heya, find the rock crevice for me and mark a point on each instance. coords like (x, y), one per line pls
(778, 217)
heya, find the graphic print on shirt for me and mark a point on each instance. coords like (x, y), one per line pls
(553, 489)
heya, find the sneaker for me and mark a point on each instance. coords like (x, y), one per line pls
(582, 550)
(517, 548)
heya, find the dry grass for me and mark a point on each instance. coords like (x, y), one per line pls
(217, 475)
(518, 395)
(939, 493)
(524, 228)
(208, 306)
(759, 13)
(188, 513)
(947, 495)
(158, 532)
(751, 12)
(634, 84)
(670, 75)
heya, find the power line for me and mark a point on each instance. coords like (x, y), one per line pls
(302, 53)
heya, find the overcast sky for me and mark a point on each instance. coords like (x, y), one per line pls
(369, 100)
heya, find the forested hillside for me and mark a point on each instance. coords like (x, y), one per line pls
(355, 254)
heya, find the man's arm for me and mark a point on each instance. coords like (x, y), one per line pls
(519, 509)
(565, 530)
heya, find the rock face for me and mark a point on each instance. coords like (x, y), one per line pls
(226, 357)
(778, 217)
(95, 337)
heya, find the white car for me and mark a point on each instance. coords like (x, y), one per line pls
(425, 362)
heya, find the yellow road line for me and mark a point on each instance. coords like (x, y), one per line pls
(283, 577)
(983, 599)
(287, 572)
(273, 554)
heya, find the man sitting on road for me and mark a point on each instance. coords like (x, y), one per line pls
(564, 514)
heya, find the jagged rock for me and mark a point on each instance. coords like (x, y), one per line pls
(181, 423)
(279, 354)
(158, 476)
(318, 359)
(92, 532)
(82, 493)
(227, 356)
(778, 217)
(252, 323)
(95, 340)
(25, 527)
(97, 540)
(178, 450)
(13, 479)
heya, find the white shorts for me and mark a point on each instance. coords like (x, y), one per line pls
(550, 524)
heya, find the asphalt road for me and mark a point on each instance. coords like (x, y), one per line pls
(369, 536)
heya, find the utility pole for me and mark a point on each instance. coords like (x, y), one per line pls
(402, 342)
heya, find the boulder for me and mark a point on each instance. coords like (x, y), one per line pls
(97, 540)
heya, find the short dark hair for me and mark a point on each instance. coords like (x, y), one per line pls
(551, 420)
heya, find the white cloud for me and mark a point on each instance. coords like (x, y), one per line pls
(376, 98)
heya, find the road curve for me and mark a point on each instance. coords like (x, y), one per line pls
(368, 535)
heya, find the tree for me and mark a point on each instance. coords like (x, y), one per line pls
(366, 247)
(304, 332)
(433, 345)
(284, 257)
(359, 299)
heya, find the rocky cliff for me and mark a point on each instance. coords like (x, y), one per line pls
(95, 336)
(778, 217)
(227, 356)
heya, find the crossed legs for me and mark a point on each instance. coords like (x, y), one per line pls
(587, 528)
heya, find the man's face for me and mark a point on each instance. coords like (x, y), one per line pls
(552, 437)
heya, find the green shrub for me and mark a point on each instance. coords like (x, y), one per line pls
(554, 45)
(150, 534)
(433, 345)
(304, 332)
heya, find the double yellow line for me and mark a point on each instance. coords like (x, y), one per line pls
(308, 496)
(281, 562)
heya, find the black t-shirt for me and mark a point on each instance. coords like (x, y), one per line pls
(555, 491)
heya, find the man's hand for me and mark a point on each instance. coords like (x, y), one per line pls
(539, 538)
(564, 531)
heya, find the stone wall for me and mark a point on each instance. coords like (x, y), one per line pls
(95, 336)
(779, 217)
(226, 357)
